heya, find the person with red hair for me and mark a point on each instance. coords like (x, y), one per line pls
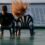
(18, 9)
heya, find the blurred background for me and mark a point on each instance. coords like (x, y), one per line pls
(36, 8)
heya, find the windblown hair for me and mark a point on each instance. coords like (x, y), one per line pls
(18, 8)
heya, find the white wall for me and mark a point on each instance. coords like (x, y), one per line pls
(38, 1)
(5, 1)
(32, 1)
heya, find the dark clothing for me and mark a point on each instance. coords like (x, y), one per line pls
(8, 23)
(7, 19)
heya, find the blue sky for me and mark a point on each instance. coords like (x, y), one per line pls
(32, 1)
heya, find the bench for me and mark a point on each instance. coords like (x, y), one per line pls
(25, 22)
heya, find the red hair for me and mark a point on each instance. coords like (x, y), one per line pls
(18, 8)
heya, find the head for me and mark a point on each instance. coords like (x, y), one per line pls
(19, 9)
(4, 9)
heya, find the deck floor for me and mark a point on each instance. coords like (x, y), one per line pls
(25, 38)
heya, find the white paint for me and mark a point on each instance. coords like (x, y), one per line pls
(27, 1)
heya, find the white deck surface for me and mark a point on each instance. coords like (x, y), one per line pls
(25, 38)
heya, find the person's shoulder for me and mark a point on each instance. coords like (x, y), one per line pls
(9, 14)
(0, 14)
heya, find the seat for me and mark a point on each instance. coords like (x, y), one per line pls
(25, 22)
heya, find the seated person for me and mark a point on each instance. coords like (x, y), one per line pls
(7, 19)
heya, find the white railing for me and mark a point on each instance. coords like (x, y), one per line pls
(38, 13)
